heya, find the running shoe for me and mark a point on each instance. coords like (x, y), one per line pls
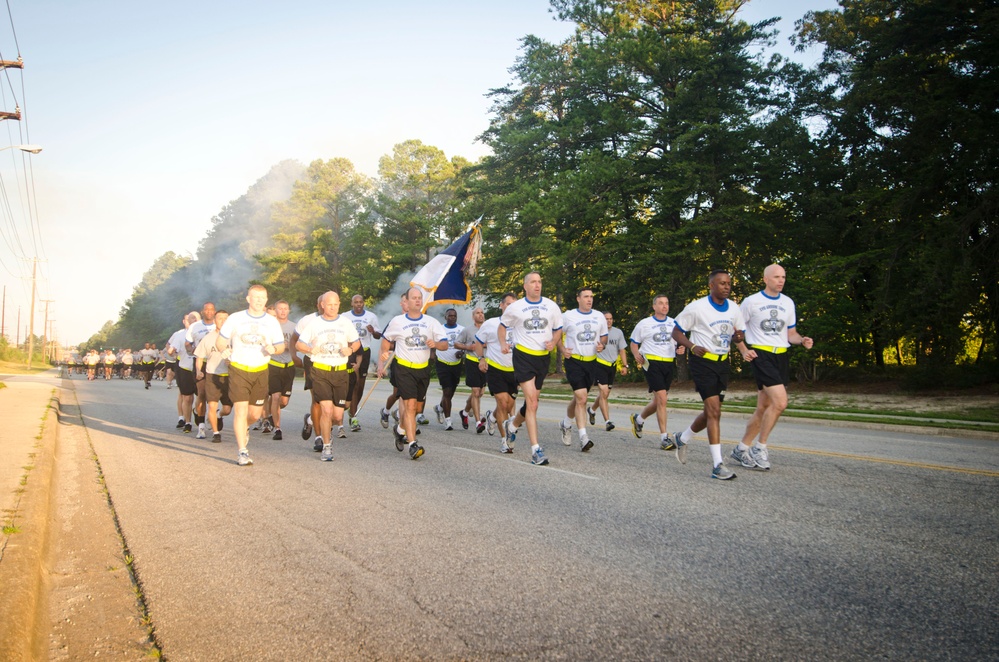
(448, 427)
(480, 426)
(201, 432)
(277, 435)
(636, 427)
(490, 423)
(422, 420)
(243, 459)
(440, 414)
(585, 444)
(721, 472)
(593, 416)
(267, 427)
(505, 447)
(743, 458)
(216, 438)
(609, 426)
(566, 433)
(464, 420)
(180, 423)
(258, 424)
(681, 448)
(415, 451)
(508, 434)
(384, 419)
(355, 425)
(317, 445)
(340, 432)
(400, 441)
(538, 457)
(327, 455)
(760, 457)
(187, 428)
(306, 428)
(395, 415)
(667, 444)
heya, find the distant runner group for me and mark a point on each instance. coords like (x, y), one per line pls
(245, 363)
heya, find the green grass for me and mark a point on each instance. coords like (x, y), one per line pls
(822, 408)
(10, 530)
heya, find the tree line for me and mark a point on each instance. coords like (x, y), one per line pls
(661, 140)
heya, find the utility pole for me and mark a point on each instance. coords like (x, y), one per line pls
(31, 316)
(3, 316)
(45, 327)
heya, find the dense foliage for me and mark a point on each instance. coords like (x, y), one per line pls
(659, 141)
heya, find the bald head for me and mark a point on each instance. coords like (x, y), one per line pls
(773, 280)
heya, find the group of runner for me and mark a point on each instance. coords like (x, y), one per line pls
(245, 363)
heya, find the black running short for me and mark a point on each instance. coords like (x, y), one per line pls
(501, 381)
(658, 375)
(185, 381)
(411, 382)
(579, 374)
(604, 374)
(280, 379)
(710, 377)
(474, 378)
(449, 376)
(527, 367)
(771, 369)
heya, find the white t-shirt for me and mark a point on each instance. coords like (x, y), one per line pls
(654, 337)
(533, 323)
(581, 331)
(488, 336)
(177, 341)
(361, 323)
(709, 325)
(411, 336)
(768, 319)
(327, 338)
(248, 336)
(451, 355)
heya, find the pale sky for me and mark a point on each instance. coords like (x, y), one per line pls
(155, 116)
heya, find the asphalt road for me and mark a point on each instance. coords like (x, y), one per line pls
(858, 544)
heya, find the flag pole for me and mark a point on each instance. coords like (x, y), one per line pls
(372, 390)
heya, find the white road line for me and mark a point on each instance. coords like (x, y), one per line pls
(499, 456)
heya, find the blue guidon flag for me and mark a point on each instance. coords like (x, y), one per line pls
(444, 278)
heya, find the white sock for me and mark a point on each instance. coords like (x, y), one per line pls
(491, 417)
(761, 445)
(664, 436)
(399, 429)
(535, 447)
(639, 419)
(567, 422)
(716, 457)
(743, 447)
(686, 436)
(448, 420)
(582, 433)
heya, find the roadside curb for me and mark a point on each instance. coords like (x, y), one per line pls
(24, 600)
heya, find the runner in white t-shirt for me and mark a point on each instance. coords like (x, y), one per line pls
(248, 339)
(771, 328)
(536, 322)
(714, 323)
